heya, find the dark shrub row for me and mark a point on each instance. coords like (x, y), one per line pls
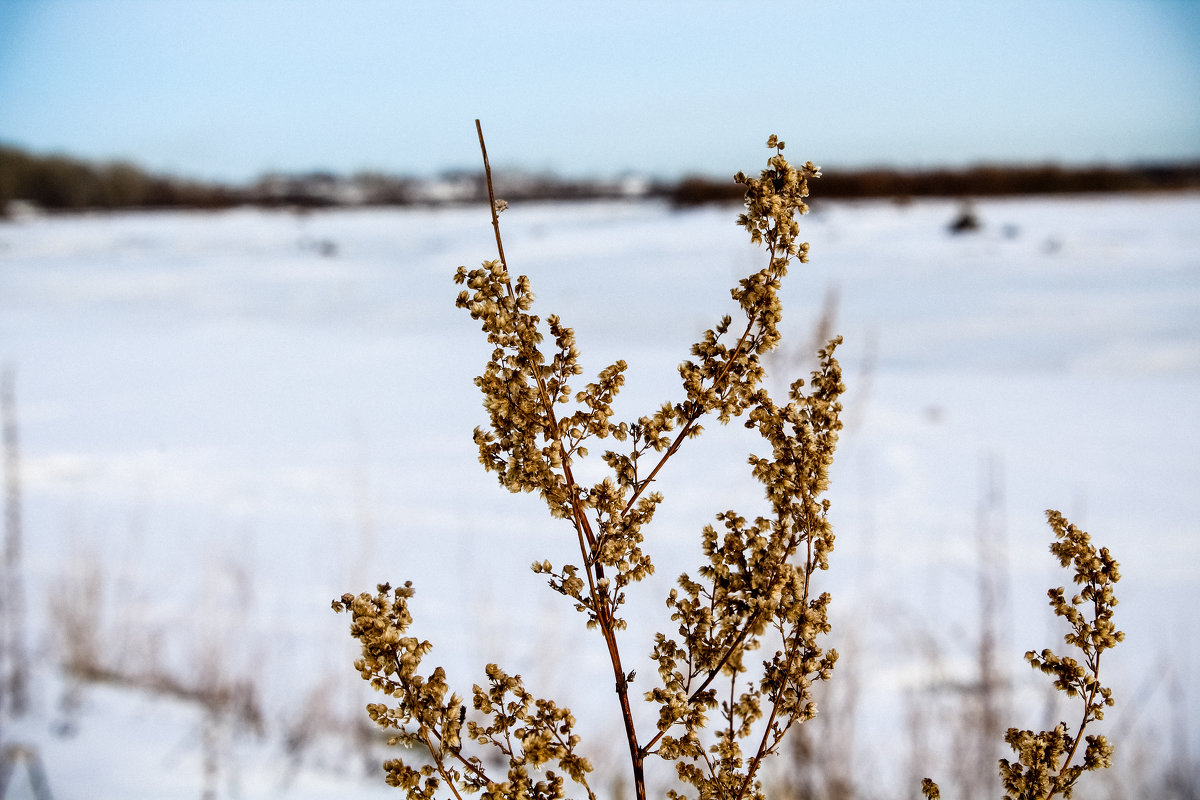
(980, 181)
(60, 183)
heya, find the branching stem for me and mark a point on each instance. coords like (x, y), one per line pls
(587, 539)
(694, 416)
(1089, 698)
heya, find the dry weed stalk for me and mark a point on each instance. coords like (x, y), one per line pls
(719, 714)
(1045, 764)
(720, 711)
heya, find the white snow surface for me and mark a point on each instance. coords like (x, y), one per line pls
(228, 419)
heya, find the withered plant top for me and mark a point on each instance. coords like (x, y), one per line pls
(717, 706)
(718, 713)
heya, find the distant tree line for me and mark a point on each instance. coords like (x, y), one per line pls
(61, 183)
(978, 181)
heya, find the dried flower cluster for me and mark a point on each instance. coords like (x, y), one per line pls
(528, 732)
(738, 670)
(1045, 765)
(719, 711)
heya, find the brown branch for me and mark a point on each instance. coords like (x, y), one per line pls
(439, 754)
(438, 758)
(696, 414)
(689, 424)
(1089, 697)
(587, 538)
(491, 195)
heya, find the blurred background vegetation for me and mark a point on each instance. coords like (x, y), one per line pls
(61, 183)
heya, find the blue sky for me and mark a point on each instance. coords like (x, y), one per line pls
(228, 89)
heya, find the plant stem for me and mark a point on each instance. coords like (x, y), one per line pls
(487, 169)
(1088, 697)
(587, 538)
(689, 424)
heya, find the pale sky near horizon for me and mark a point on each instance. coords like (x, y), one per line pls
(229, 89)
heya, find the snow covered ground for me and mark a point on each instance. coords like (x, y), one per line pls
(228, 419)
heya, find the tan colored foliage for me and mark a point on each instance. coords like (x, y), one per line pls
(719, 710)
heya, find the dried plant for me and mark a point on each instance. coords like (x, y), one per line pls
(1046, 764)
(719, 713)
(719, 709)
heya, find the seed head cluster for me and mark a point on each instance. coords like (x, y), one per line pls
(1046, 763)
(753, 590)
(529, 733)
(743, 649)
